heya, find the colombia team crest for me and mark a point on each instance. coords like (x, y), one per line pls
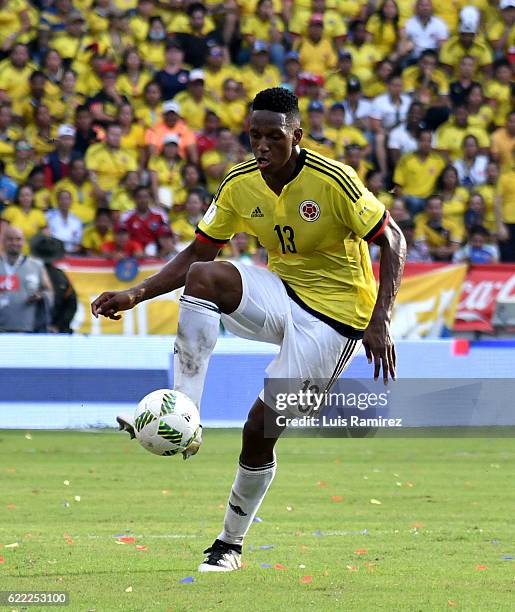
(309, 210)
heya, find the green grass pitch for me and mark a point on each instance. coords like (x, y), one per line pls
(441, 536)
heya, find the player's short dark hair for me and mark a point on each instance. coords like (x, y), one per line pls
(277, 100)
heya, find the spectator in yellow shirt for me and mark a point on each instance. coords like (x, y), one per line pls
(316, 53)
(416, 173)
(99, 233)
(23, 215)
(15, 72)
(217, 162)
(442, 236)
(133, 134)
(343, 135)
(334, 29)
(217, 71)
(133, 77)
(10, 133)
(387, 34)
(41, 133)
(107, 163)
(454, 197)
(505, 214)
(150, 112)
(450, 135)
(466, 42)
(503, 144)
(37, 95)
(195, 101)
(184, 227)
(501, 34)
(124, 196)
(488, 191)
(364, 54)
(354, 159)
(263, 25)
(336, 84)
(81, 189)
(232, 108)
(259, 73)
(165, 172)
(498, 91)
(427, 80)
(138, 24)
(21, 166)
(153, 49)
(480, 114)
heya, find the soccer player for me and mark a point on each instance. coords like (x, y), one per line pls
(317, 300)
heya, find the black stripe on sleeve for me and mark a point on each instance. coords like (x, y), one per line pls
(215, 241)
(377, 227)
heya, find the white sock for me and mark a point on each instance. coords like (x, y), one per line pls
(247, 493)
(199, 322)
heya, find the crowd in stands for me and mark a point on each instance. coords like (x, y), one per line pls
(119, 118)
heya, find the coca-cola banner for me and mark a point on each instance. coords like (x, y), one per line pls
(483, 286)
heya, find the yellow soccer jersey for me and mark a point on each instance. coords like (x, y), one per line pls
(314, 232)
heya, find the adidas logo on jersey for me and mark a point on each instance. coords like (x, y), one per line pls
(256, 213)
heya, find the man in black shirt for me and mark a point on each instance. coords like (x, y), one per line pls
(173, 78)
(196, 44)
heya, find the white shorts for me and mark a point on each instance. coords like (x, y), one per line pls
(310, 349)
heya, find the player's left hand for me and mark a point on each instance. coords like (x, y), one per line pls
(380, 348)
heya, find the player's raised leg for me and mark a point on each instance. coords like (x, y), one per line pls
(254, 476)
(211, 288)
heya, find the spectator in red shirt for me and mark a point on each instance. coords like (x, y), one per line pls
(122, 245)
(144, 222)
(207, 138)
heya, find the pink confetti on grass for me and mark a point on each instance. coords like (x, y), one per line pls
(361, 551)
(127, 540)
(352, 568)
(481, 568)
(322, 484)
(68, 538)
(417, 525)
(11, 506)
(337, 498)
(2, 560)
(279, 566)
(141, 547)
(306, 580)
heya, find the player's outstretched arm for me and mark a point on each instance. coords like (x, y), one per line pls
(377, 340)
(170, 277)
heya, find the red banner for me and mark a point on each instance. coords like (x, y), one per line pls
(483, 286)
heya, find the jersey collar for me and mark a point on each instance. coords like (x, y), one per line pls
(301, 159)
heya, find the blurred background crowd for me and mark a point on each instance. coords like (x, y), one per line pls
(119, 118)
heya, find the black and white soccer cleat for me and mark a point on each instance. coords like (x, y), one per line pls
(221, 557)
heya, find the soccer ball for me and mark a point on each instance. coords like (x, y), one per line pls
(165, 422)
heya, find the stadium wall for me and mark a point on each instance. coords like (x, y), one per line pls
(54, 382)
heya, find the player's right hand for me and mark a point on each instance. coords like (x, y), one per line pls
(109, 303)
